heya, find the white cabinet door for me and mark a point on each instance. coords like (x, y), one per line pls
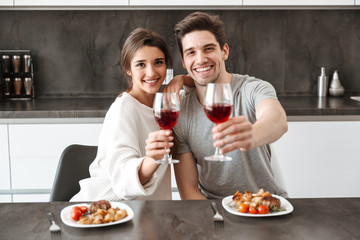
(320, 159)
(184, 3)
(6, 2)
(35, 150)
(4, 159)
(298, 2)
(71, 2)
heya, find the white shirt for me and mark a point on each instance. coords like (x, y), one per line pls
(121, 150)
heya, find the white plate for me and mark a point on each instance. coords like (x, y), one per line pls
(229, 205)
(66, 216)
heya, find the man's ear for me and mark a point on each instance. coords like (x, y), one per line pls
(225, 51)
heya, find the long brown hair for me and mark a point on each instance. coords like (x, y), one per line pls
(199, 21)
(137, 39)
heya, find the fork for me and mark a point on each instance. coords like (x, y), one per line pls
(54, 228)
(218, 218)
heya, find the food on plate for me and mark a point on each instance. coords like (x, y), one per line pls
(99, 212)
(101, 204)
(273, 203)
(76, 213)
(261, 202)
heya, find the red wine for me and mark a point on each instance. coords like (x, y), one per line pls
(167, 119)
(218, 113)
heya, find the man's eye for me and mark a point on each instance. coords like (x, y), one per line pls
(189, 53)
(209, 49)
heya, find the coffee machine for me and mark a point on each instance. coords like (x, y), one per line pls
(16, 75)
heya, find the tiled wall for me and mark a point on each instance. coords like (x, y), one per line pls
(77, 52)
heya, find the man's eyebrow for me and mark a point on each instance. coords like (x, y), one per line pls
(206, 45)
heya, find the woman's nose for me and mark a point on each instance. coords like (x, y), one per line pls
(150, 71)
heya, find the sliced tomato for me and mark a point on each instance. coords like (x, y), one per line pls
(83, 209)
(76, 213)
(263, 209)
(253, 210)
(244, 208)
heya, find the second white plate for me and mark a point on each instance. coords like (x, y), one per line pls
(229, 205)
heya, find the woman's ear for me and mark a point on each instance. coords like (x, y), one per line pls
(128, 72)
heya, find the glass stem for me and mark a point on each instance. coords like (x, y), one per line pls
(217, 152)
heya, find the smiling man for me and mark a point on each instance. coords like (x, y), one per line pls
(258, 119)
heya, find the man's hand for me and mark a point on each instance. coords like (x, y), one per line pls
(236, 133)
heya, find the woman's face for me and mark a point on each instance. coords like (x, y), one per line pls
(147, 70)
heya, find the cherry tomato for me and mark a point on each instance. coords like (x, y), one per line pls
(83, 209)
(263, 209)
(252, 210)
(76, 213)
(244, 208)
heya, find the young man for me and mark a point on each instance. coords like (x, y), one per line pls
(258, 119)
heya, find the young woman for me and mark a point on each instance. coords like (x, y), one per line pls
(130, 140)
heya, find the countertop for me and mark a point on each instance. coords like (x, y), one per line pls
(320, 218)
(336, 108)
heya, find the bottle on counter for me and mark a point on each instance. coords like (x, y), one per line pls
(336, 89)
(322, 84)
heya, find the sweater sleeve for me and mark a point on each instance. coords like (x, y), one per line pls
(121, 152)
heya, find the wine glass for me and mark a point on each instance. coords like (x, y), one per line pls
(166, 112)
(218, 106)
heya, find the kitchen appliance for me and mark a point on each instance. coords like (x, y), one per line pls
(16, 75)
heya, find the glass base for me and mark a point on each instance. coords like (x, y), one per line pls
(171, 161)
(167, 159)
(218, 158)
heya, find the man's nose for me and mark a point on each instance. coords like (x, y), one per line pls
(200, 57)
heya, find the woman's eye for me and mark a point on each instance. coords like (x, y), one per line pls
(160, 62)
(140, 65)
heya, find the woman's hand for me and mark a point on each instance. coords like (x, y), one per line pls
(178, 82)
(156, 143)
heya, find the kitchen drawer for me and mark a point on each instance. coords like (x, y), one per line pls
(5, 198)
(41, 140)
(33, 172)
(4, 159)
(31, 197)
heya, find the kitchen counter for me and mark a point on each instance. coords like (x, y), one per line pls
(322, 218)
(297, 108)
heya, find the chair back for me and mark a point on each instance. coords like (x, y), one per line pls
(73, 166)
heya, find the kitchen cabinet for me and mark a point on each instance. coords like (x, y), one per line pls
(298, 3)
(71, 2)
(320, 159)
(4, 159)
(6, 2)
(34, 151)
(357, 2)
(185, 3)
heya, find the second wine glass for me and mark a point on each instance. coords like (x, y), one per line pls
(218, 106)
(166, 110)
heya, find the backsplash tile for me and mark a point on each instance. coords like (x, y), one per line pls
(78, 52)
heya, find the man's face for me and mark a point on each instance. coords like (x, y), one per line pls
(202, 57)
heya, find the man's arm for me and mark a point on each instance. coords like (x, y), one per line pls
(187, 177)
(239, 133)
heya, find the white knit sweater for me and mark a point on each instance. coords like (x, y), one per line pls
(121, 150)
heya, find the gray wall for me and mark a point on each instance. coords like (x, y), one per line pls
(77, 52)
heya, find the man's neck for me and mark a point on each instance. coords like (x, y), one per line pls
(201, 90)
